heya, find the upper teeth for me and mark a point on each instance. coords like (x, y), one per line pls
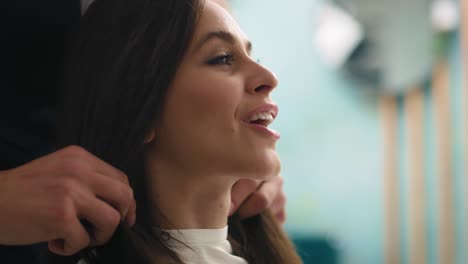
(262, 116)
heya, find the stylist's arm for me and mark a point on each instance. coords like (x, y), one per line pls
(48, 199)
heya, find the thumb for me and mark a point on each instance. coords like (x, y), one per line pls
(240, 191)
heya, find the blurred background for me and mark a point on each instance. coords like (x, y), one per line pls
(373, 117)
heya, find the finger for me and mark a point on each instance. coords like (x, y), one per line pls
(261, 199)
(82, 156)
(241, 190)
(103, 217)
(126, 208)
(130, 218)
(114, 192)
(106, 169)
(281, 216)
(75, 239)
(279, 203)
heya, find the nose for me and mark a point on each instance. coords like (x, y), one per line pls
(261, 80)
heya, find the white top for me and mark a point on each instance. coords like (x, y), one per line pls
(205, 246)
(200, 246)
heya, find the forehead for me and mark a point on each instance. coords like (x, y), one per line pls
(214, 17)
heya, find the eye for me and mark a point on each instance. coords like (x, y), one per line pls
(225, 59)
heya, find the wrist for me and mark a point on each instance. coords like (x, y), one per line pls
(3, 203)
(3, 177)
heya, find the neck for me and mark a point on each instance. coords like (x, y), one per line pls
(189, 199)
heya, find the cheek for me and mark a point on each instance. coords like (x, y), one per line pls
(199, 124)
(210, 101)
(203, 108)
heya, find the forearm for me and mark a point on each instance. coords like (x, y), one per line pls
(4, 174)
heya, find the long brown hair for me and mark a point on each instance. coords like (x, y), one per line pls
(123, 59)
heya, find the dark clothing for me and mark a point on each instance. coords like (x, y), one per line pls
(32, 43)
(33, 34)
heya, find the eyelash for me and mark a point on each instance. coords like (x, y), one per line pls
(225, 59)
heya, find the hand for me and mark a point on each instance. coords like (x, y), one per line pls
(250, 197)
(47, 199)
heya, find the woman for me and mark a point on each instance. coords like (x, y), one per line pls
(167, 91)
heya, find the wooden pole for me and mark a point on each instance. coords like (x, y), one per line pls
(388, 111)
(441, 91)
(414, 107)
(464, 52)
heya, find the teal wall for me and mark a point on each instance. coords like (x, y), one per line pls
(331, 146)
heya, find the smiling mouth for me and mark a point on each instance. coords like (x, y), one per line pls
(262, 119)
(260, 122)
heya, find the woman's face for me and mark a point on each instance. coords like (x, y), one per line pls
(218, 106)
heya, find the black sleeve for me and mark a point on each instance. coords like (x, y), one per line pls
(33, 34)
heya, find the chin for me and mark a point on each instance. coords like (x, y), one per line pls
(264, 166)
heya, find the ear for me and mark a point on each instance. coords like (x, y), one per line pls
(149, 137)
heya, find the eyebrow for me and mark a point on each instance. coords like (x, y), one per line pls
(224, 36)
